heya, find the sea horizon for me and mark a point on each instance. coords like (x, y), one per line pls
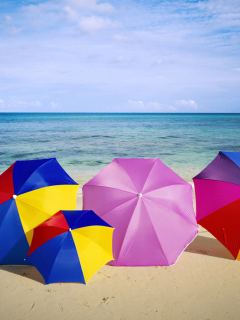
(116, 112)
(85, 142)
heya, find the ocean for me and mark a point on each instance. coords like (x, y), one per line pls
(84, 143)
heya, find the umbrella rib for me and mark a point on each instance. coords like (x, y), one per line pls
(81, 218)
(216, 180)
(126, 173)
(155, 232)
(34, 207)
(170, 185)
(124, 202)
(219, 209)
(92, 239)
(182, 216)
(33, 173)
(230, 160)
(5, 216)
(102, 186)
(8, 194)
(126, 233)
(149, 174)
(57, 227)
(57, 255)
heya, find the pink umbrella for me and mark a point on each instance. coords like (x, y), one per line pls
(150, 207)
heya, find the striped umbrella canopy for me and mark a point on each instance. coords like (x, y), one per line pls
(71, 246)
(217, 190)
(31, 191)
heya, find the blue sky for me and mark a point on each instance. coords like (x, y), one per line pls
(119, 56)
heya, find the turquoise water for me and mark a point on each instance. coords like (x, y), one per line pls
(85, 143)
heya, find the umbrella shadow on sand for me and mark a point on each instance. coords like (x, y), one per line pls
(209, 247)
(28, 272)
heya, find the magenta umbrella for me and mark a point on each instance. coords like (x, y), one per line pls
(150, 207)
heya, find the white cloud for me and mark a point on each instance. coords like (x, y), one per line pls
(155, 106)
(95, 23)
(91, 5)
(79, 10)
(150, 106)
(123, 38)
(55, 106)
(41, 15)
(120, 37)
(2, 105)
(173, 109)
(8, 19)
(121, 59)
(71, 13)
(20, 105)
(159, 61)
(137, 104)
(13, 30)
(187, 103)
(9, 27)
(36, 104)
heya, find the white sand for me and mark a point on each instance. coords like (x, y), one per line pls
(204, 284)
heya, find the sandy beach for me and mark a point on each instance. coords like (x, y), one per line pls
(203, 284)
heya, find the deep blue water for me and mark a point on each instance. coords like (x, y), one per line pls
(85, 143)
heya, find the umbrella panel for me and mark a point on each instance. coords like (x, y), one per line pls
(51, 228)
(138, 171)
(222, 168)
(174, 230)
(37, 206)
(14, 247)
(119, 218)
(106, 177)
(140, 245)
(94, 247)
(212, 195)
(224, 224)
(94, 196)
(52, 260)
(177, 198)
(6, 185)
(30, 175)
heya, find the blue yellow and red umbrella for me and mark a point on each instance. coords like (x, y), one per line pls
(71, 246)
(30, 192)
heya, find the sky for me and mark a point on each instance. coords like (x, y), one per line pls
(119, 56)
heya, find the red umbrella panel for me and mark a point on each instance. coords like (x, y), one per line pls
(217, 190)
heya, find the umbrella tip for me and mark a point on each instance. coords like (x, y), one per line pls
(139, 195)
(14, 196)
(70, 229)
